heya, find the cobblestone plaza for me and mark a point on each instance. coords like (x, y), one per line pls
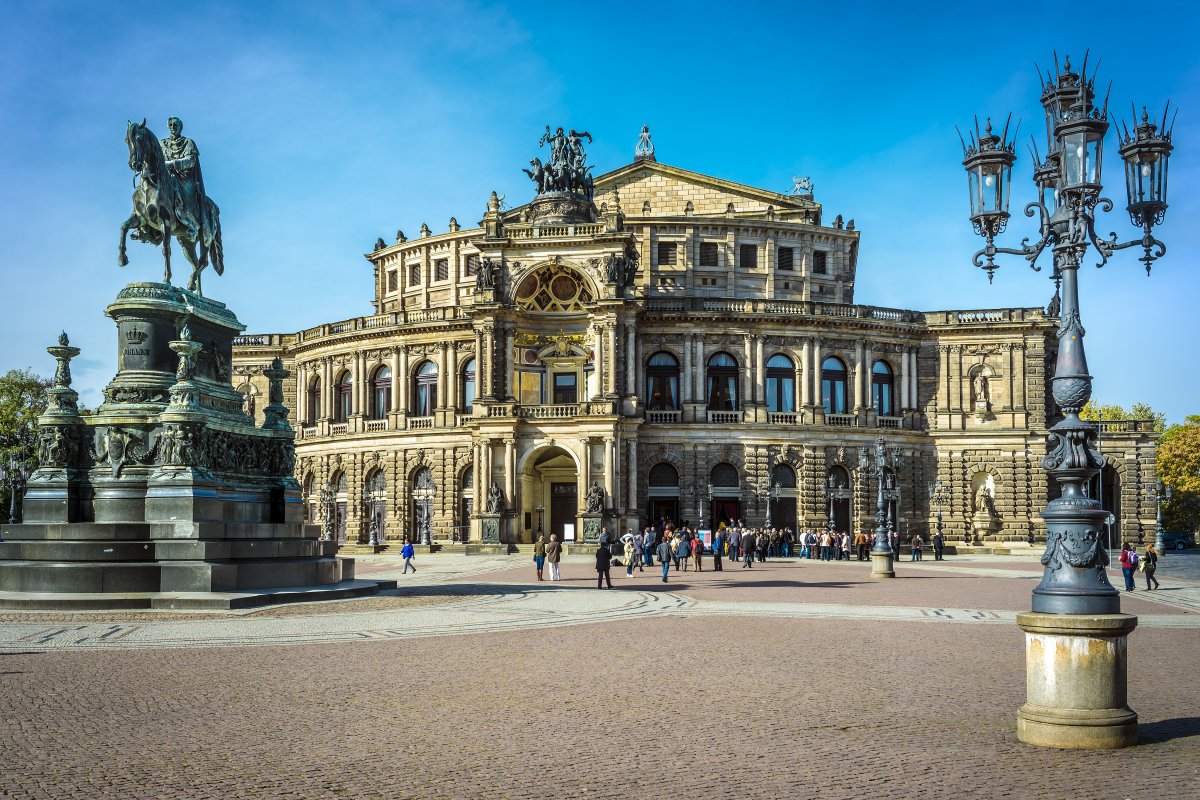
(473, 680)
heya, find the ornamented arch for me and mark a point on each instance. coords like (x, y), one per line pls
(554, 288)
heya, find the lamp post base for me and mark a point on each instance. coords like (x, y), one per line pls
(1076, 668)
(881, 565)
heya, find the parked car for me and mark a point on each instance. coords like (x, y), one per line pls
(1178, 540)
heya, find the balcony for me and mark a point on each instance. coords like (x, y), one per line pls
(785, 418)
(338, 428)
(420, 423)
(889, 422)
(724, 417)
(842, 420)
(375, 425)
(550, 411)
(665, 417)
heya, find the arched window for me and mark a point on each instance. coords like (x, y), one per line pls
(781, 384)
(314, 401)
(468, 387)
(833, 386)
(381, 393)
(375, 497)
(722, 383)
(425, 390)
(724, 474)
(882, 379)
(783, 476)
(663, 474)
(342, 402)
(310, 499)
(662, 382)
(838, 477)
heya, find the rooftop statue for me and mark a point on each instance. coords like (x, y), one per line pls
(169, 200)
(644, 150)
(802, 185)
(567, 170)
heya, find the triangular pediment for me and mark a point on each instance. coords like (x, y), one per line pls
(669, 189)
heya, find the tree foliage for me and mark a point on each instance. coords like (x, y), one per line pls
(1111, 411)
(1178, 465)
(22, 401)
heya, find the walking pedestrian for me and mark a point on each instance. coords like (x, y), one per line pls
(408, 551)
(1129, 561)
(539, 554)
(735, 544)
(698, 552)
(917, 543)
(824, 545)
(681, 552)
(648, 546)
(630, 554)
(553, 555)
(639, 554)
(1149, 565)
(603, 564)
(860, 544)
(747, 551)
(939, 544)
(664, 557)
(718, 546)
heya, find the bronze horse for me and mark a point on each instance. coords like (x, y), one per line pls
(157, 200)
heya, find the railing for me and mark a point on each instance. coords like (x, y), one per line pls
(552, 411)
(420, 423)
(763, 306)
(308, 431)
(1125, 425)
(376, 425)
(338, 428)
(889, 422)
(664, 416)
(982, 316)
(258, 340)
(548, 231)
(391, 319)
(842, 420)
(462, 420)
(724, 417)
(784, 418)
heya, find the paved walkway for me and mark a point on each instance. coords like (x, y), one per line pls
(788, 680)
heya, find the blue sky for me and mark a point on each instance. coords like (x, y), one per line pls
(323, 126)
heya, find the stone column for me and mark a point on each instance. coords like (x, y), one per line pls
(815, 373)
(805, 379)
(480, 363)
(360, 384)
(698, 395)
(509, 345)
(760, 371)
(451, 378)
(510, 472)
(630, 361)
(397, 377)
(905, 403)
(598, 349)
(631, 478)
(610, 383)
(327, 388)
(610, 467)
(688, 379)
(443, 371)
(485, 450)
(478, 490)
(489, 347)
(405, 382)
(747, 388)
(868, 366)
(858, 375)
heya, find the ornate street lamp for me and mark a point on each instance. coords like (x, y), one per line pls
(763, 490)
(13, 478)
(937, 496)
(829, 490)
(1159, 497)
(874, 465)
(1074, 581)
(539, 510)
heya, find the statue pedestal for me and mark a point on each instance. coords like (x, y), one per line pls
(591, 523)
(491, 524)
(983, 525)
(167, 496)
(1076, 668)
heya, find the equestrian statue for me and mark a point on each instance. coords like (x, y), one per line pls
(169, 200)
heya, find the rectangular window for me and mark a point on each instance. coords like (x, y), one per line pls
(786, 256)
(748, 256)
(564, 388)
(414, 274)
(472, 266)
(393, 280)
(667, 254)
(819, 263)
(441, 269)
(708, 254)
(531, 388)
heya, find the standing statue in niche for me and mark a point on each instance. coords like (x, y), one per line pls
(984, 504)
(595, 499)
(495, 499)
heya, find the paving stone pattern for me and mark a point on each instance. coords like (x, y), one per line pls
(507, 695)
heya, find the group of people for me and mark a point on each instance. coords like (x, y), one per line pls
(1147, 564)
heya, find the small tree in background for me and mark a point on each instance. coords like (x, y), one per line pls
(1178, 465)
(22, 400)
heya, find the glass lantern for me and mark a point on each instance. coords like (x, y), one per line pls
(1146, 153)
(989, 162)
(1081, 149)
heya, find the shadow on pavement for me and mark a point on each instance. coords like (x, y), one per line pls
(1167, 729)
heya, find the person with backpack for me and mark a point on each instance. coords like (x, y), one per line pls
(698, 552)
(664, 556)
(1129, 561)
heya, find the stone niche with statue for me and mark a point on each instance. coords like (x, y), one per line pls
(168, 495)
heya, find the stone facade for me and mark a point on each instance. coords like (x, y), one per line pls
(690, 325)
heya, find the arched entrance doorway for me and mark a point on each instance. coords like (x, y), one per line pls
(375, 502)
(838, 496)
(341, 496)
(663, 492)
(423, 491)
(783, 504)
(726, 495)
(549, 496)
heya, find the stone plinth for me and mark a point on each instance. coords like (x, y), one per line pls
(169, 487)
(1076, 668)
(491, 527)
(882, 565)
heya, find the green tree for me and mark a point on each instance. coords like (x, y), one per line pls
(1178, 465)
(1096, 411)
(22, 399)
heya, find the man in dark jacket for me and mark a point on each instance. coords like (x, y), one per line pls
(664, 557)
(603, 561)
